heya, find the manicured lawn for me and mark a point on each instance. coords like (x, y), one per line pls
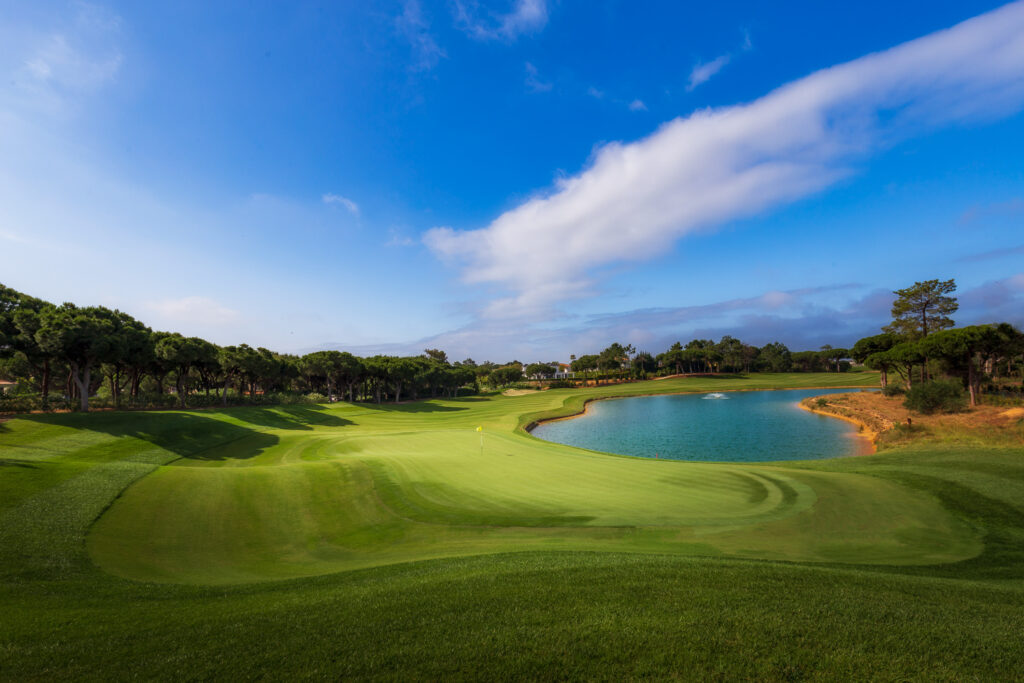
(362, 540)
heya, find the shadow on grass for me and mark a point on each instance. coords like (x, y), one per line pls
(289, 417)
(183, 434)
(11, 462)
(427, 406)
(198, 436)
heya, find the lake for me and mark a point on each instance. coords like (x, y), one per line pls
(743, 426)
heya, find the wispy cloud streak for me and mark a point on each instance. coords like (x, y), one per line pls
(636, 199)
(526, 16)
(415, 27)
(350, 205)
(703, 71)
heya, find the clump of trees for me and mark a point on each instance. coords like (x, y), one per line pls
(704, 356)
(734, 356)
(81, 353)
(922, 341)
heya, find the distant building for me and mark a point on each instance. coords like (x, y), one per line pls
(562, 371)
(6, 386)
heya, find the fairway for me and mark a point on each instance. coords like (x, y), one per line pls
(250, 496)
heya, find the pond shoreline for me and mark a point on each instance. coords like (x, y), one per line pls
(533, 424)
(864, 432)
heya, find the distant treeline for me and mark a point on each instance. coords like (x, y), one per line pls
(63, 355)
(59, 355)
(729, 355)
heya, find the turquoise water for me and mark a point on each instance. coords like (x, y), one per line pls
(748, 426)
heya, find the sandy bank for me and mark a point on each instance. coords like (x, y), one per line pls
(879, 416)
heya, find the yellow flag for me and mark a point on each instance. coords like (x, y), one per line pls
(479, 429)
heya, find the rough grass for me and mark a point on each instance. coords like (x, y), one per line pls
(155, 545)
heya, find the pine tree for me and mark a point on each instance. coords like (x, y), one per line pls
(923, 308)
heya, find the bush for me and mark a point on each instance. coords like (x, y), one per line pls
(893, 390)
(821, 402)
(561, 384)
(523, 385)
(938, 396)
(27, 403)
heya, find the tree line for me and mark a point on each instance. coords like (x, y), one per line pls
(706, 356)
(81, 351)
(922, 343)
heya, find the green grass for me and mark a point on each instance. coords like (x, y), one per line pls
(377, 541)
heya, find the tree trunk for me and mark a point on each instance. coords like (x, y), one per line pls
(970, 382)
(121, 385)
(224, 396)
(46, 380)
(179, 387)
(885, 379)
(83, 385)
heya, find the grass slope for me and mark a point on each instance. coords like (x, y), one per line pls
(152, 544)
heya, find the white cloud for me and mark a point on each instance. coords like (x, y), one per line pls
(595, 93)
(533, 82)
(192, 310)
(48, 70)
(637, 105)
(331, 198)
(635, 199)
(416, 29)
(396, 239)
(526, 16)
(702, 72)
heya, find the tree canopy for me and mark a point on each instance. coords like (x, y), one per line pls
(923, 308)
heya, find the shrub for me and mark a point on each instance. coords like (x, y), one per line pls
(561, 384)
(893, 390)
(938, 396)
(821, 402)
(26, 403)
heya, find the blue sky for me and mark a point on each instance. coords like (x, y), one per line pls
(521, 179)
